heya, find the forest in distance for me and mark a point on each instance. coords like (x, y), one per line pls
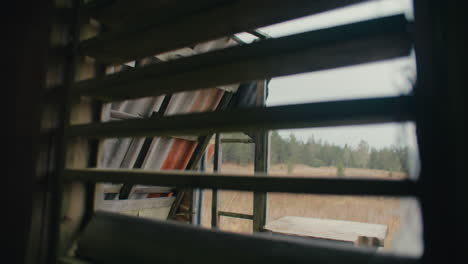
(319, 153)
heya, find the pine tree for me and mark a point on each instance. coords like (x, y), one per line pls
(317, 153)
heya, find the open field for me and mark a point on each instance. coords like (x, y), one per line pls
(376, 210)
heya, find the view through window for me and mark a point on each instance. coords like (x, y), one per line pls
(383, 151)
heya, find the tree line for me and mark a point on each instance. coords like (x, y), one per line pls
(318, 153)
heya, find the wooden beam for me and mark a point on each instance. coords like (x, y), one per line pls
(217, 163)
(362, 42)
(143, 241)
(297, 184)
(179, 28)
(262, 164)
(236, 215)
(339, 113)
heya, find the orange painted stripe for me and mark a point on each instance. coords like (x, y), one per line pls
(179, 155)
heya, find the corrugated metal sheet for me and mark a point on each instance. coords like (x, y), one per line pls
(165, 153)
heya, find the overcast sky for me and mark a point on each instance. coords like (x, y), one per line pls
(385, 78)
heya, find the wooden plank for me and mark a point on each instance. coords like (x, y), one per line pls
(143, 241)
(182, 30)
(132, 205)
(339, 113)
(299, 184)
(362, 42)
(331, 229)
(262, 164)
(236, 215)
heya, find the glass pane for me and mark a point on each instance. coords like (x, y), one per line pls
(377, 151)
(380, 79)
(237, 158)
(395, 222)
(232, 202)
(384, 223)
(340, 16)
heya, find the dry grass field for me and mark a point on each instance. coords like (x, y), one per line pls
(378, 210)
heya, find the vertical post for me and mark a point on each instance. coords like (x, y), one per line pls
(73, 201)
(30, 115)
(439, 106)
(262, 159)
(197, 203)
(215, 195)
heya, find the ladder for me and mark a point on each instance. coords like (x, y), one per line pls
(262, 149)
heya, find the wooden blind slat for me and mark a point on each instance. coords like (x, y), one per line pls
(323, 114)
(144, 39)
(127, 16)
(108, 237)
(347, 45)
(262, 183)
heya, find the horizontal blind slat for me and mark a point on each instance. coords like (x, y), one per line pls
(347, 45)
(127, 16)
(144, 40)
(108, 236)
(323, 114)
(187, 179)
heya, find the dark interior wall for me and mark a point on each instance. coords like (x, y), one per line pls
(440, 31)
(27, 37)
